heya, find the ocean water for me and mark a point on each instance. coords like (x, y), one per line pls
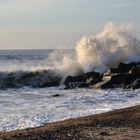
(26, 106)
(24, 103)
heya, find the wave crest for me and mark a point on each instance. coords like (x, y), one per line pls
(105, 50)
(18, 79)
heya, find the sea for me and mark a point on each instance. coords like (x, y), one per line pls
(25, 105)
(26, 102)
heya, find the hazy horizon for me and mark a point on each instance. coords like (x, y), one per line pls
(49, 24)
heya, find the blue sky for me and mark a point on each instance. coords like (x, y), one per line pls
(60, 23)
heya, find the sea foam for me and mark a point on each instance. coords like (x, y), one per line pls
(105, 50)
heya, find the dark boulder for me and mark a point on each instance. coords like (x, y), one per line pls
(124, 68)
(73, 79)
(93, 80)
(135, 70)
(134, 74)
(112, 80)
(94, 75)
(82, 85)
(56, 95)
(120, 79)
(105, 83)
(82, 80)
(134, 85)
(72, 82)
(125, 75)
(113, 70)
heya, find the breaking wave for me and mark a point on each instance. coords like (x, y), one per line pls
(105, 50)
(36, 79)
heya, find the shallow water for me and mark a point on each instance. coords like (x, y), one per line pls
(27, 107)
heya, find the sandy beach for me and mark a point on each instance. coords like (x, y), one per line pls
(119, 124)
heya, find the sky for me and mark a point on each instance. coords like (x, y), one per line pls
(48, 24)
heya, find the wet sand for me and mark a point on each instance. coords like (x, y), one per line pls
(123, 124)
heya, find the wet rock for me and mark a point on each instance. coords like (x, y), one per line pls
(82, 85)
(134, 74)
(125, 75)
(94, 79)
(120, 79)
(134, 85)
(124, 68)
(73, 79)
(56, 95)
(135, 70)
(94, 75)
(73, 82)
(131, 80)
(73, 85)
(112, 81)
(113, 70)
(105, 83)
(82, 80)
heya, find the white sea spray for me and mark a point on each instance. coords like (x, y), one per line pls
(105, 50)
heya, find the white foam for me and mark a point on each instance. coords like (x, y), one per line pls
(26, 107)
(105, 50)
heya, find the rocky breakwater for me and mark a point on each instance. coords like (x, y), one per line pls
(125, 76)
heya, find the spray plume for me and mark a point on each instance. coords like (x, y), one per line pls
(107, 49)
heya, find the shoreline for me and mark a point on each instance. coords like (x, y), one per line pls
(118, 124)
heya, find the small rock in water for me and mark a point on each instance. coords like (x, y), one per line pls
(56, 95)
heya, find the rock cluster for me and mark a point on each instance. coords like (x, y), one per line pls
(125, 76)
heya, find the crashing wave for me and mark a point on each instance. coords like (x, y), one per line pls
(18, 79)
(115, 44)
(105, 50)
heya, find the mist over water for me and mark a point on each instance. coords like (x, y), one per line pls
(114, 44)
